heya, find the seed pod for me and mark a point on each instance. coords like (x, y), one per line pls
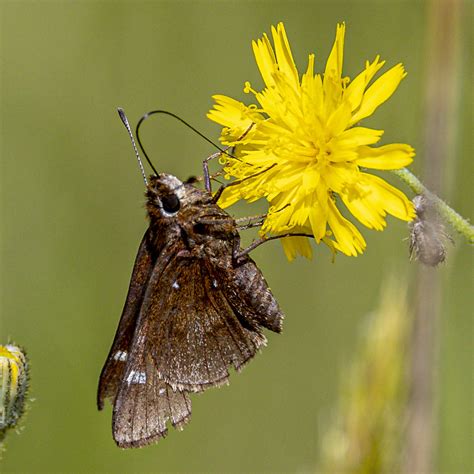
(13, 385)
(427, 233)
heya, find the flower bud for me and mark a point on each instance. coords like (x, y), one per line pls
(13, 385)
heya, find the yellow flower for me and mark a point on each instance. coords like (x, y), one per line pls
(305, 152)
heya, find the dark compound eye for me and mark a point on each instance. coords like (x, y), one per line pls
(170, 203)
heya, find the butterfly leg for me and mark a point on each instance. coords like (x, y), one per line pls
(244, 223)
(254, 221)
(205, 166)
(238, 253)
(219, 192)
(205, 169)
(205, 163)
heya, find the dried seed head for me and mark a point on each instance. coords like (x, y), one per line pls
(427, 233)
(13, 385)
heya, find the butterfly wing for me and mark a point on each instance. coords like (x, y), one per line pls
(145, 404)
(186, 337)
(113, 370)
(188, 327)
(249, 294)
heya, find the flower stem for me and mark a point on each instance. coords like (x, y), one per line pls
(459, 223)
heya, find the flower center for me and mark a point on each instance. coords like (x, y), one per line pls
(320, 153)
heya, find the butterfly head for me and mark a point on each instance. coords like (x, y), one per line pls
(167, 196)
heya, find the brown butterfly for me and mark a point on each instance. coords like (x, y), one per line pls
(196, 306)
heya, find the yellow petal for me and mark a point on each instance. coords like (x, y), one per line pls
(355, 91)
(265, 58)
(229, 196)
(362, 208)
(338, 176)
(338, 120)
(318, 221)
(342, 155)
(387, 157)
(312, 93)
(277, 221)
(283, 54)
(387, 197)
(348, 238)
(233, 114)
(308, 76)
(300, 215)
(294, 246)
(335, 59)
(310, 179)
(332, 83)
(370, 198)
(356, 136)
(379, 92)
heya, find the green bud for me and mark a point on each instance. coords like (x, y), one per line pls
(13, 385)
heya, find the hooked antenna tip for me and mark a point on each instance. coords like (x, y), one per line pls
(122, 115)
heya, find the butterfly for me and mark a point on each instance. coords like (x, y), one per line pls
(196, 306)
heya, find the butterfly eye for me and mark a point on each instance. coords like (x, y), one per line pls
(170, 203)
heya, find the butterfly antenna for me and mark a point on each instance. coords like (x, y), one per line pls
(177, 117)
(124, 119)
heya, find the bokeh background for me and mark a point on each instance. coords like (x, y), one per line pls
(72, 218)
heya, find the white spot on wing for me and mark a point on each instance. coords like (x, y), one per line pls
(214, 283)
(121, 356)
(136, 377)
(175, 285)
(162, 391)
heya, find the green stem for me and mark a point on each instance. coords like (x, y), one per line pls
(458, 222)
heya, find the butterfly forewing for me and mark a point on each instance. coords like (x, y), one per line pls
(112, 373)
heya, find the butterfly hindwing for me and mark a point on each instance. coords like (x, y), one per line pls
(145, 404)
(249, 294)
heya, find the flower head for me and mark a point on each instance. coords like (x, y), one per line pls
(302, 148)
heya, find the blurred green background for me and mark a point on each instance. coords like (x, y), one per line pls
(72, 218)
